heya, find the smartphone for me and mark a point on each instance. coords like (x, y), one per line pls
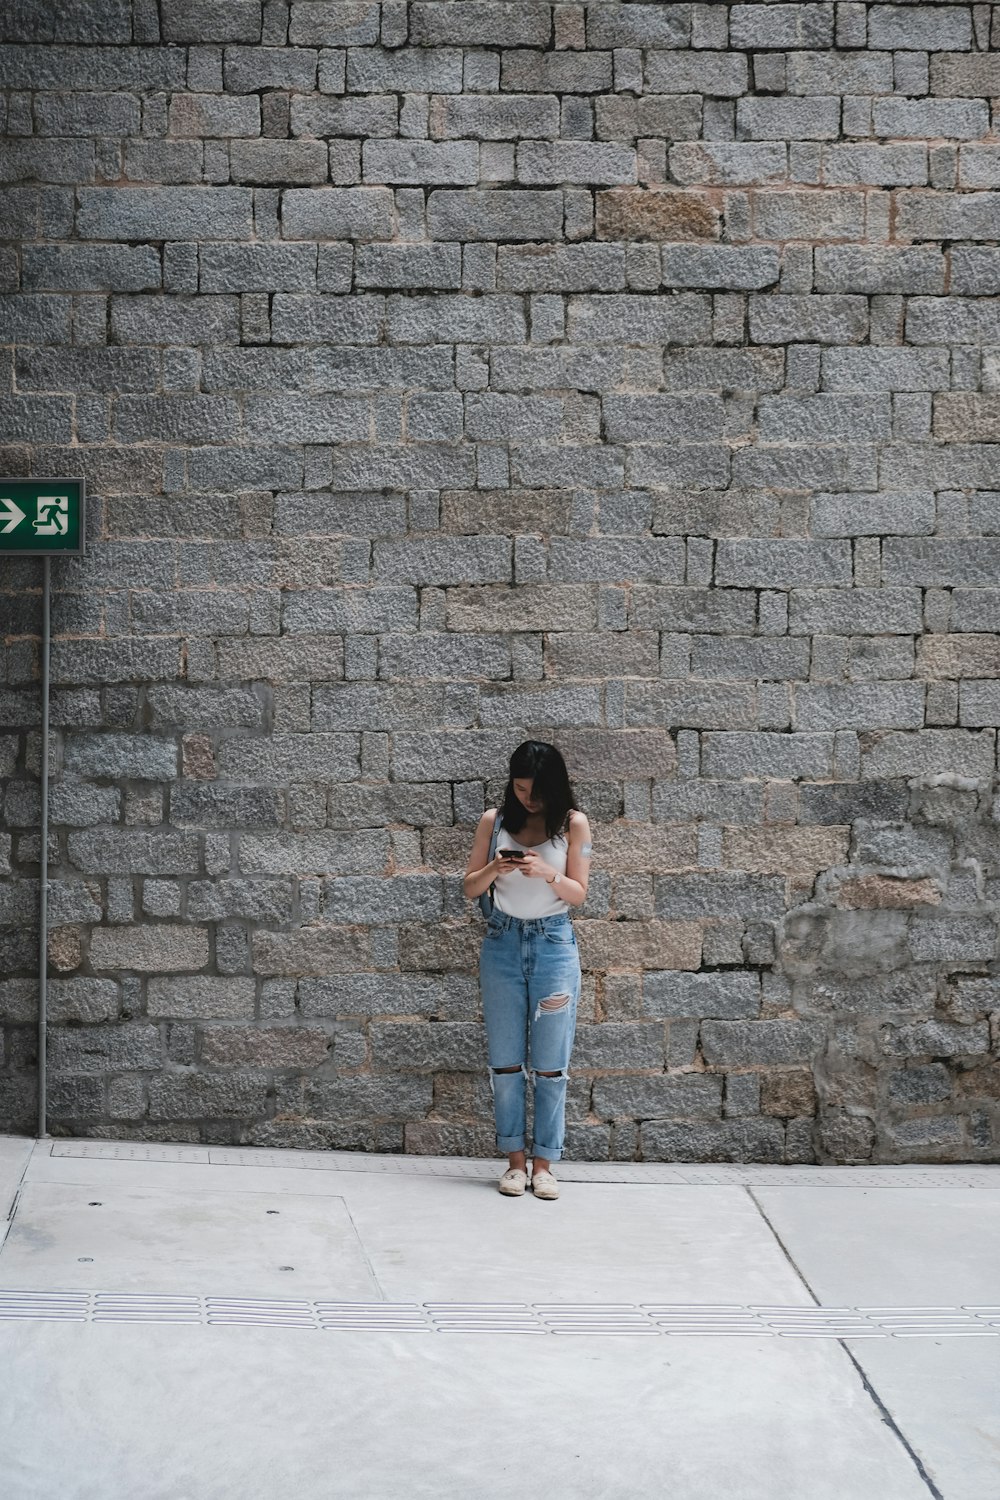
(512, 853)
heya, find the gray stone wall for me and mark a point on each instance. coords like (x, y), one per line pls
(626, 375)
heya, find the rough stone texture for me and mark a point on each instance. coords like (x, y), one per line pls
(451, 372)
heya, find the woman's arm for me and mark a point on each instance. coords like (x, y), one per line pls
(480, 872)
(579, 854)
(571, 886)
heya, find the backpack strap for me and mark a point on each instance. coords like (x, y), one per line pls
(486, 899)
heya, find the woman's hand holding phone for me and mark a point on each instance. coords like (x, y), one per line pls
(505, 861)
(534, 865)
(526, 861)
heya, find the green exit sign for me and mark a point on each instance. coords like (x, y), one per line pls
(42, 516)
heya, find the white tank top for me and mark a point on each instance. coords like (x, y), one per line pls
(523, 896)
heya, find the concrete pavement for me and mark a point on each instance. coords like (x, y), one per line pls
(210, 1323)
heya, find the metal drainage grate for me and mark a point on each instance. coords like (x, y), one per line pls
(643, 1319)
(715, 1174)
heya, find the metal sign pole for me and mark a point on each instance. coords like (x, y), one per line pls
(43, 859)
(38, 517)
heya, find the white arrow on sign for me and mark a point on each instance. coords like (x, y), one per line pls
(11, 513)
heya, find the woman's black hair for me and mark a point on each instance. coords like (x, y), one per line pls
(543, 764)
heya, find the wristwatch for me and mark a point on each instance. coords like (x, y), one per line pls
(555, 879)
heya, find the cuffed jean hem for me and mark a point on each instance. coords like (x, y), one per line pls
(510, 1143)
(547, 1153)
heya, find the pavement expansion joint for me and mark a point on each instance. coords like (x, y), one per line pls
(644, 1319)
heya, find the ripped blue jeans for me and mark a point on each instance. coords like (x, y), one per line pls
(529, 975)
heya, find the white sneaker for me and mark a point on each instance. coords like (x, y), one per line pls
(513, 1182)
(544, 1185)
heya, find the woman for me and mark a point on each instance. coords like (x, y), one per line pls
(529, 966)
